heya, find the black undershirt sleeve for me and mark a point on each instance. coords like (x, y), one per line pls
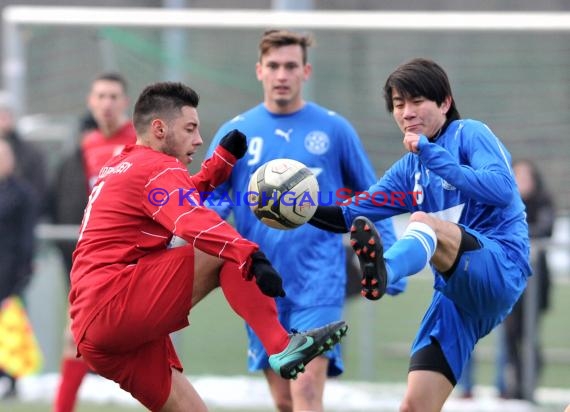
(329, 218)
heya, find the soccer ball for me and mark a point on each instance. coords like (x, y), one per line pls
(283, 193)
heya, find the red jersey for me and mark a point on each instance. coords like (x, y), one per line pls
(97, 149)
(124, 221)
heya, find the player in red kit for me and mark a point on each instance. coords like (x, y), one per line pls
(108, 103)
(129, 290)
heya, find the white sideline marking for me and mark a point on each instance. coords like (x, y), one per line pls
(247, 392)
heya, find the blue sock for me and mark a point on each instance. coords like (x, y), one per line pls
(411, 252)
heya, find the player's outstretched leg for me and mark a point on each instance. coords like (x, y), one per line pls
(367, 245)
(304, 347)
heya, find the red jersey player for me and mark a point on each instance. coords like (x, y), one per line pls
(97, 148)
(108, 103)
(129, 291)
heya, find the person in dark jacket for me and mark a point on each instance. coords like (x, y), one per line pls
(540, 212)
(69, 192)
(18, 218)
(30, 162)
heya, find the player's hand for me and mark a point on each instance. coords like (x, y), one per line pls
(235, 142)
(266, 277)
(411, 141)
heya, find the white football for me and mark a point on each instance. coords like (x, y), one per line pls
(283, 193)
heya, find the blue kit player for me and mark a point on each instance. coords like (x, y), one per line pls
(467, 220)
(310, 261)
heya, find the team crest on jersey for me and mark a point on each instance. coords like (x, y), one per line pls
(317, 142)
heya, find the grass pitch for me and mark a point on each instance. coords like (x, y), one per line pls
(376, 348)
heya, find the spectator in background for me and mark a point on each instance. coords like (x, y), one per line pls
(466, 383)
(18, 218)
(108, 102)
(28, 167)
(30, 164)
(540, 217)
(70, 191)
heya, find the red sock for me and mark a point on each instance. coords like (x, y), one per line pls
(72, 373)
(259, 311)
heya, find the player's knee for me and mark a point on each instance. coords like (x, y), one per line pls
(408, 405)
(68, 341)
(69, 346)
(420, 402)
(305, 391)
(420, 217)
(284, 404)
(405, 406)
(431, 224)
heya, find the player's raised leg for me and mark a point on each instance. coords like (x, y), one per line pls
(367, 245)
(288, 353)
(306, 346)
(407, 256)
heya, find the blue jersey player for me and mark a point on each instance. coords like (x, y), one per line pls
(467, 219)
(310, 261)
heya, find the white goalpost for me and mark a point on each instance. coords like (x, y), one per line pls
(16, 17)
(337, 20)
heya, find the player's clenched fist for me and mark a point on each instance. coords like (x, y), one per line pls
(235, 142)
(411, 141)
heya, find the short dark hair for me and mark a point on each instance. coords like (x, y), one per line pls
(162, 99)
(113, 77)
(279, 38)
(420, 78)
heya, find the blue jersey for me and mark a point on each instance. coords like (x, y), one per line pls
(311, 261)
(463, 177)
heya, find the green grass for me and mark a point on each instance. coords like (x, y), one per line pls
(215, 342)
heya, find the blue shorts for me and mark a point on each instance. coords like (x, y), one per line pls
(301, 320)
(477, 297)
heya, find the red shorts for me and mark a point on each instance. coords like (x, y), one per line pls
(128, 341)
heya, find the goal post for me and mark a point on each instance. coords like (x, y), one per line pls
(15, 17)
(315, 19)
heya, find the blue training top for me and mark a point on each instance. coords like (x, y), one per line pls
(311, 261)
(463, 177)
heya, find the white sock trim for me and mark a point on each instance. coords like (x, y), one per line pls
(425, 230)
